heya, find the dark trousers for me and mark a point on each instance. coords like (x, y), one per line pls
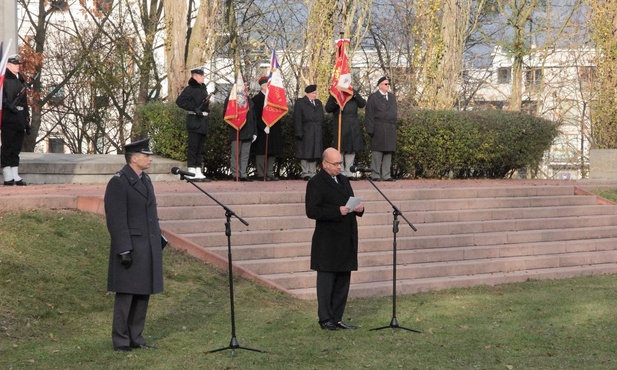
(12, 138)
(332, 292)
(195, 149)
(129, 319)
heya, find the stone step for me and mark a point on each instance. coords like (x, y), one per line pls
(385, 288)
(301, 262)
(306, 279)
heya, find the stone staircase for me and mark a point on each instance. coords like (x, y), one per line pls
(465, 236)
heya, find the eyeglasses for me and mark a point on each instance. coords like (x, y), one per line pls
(335, 163)
(387, 84)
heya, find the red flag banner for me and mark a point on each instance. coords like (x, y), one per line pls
(275, 104)
(4, 57)
(237, 104)
(340, 87)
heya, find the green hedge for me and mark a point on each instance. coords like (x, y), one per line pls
(432, 144)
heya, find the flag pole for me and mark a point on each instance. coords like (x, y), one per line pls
(266, 158)
(237, 154)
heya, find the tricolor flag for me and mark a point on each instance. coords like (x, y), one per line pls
(3, 59)
(275, 103)
(340, 87)
(237, 104)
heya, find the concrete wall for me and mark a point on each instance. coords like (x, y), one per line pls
(8, 14)
(603, 164)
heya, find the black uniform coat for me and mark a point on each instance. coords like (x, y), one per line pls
(19, 116)
(308, 128)
(334, 246)
(275, 138)
(192, 99)
(132, 221)
(351, 132)
(380, 120)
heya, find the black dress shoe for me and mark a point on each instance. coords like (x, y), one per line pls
(144, 346)
(20, 183)
(344, 325)
(328, 325)
(389, 179)
(306, 178)
(272, 178)
(9, 183)
(245, 179)
(123, 349)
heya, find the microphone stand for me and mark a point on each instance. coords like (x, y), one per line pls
(393, 322)
(233, 344)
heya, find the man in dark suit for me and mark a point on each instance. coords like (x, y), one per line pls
(381, 125)
(334, 248)
(308, 130)
(269, 139)
(136, 254)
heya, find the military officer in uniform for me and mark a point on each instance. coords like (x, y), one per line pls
(136, 254)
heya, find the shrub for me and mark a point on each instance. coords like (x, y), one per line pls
(431, 144)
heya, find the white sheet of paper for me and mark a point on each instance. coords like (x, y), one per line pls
(353, 202)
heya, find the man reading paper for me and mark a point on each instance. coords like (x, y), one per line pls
(334, 248)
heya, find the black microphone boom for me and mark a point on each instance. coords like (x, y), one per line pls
(359, 169)
(177, 171)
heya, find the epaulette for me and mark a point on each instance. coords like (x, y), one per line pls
(119, 174)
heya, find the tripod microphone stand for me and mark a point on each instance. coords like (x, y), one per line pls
(233, 344)
(393, 322)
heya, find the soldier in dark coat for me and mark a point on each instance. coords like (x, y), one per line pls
(15, 121)
(308, 130)
(241, 151)
(351, 132)
(135, 257)
(381, 126)
(196, 101)
(334, 248)
(273, 136)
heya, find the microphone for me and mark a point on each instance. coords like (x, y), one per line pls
(177, 171)
(359, 169)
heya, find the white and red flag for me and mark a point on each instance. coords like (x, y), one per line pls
(237, 104)
(341, 87)
(275, 103)
(4, 56)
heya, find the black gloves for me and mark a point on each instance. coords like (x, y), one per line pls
(126, 260)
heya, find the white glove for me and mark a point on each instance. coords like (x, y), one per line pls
(267, 130)
(254, 138)
(205, 114)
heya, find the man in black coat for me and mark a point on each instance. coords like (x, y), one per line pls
(381, 125)
(308, 130)
(15, 121)
(269, 139)
(196, 101)
(334, 247)
(351, 131)
(136, 254)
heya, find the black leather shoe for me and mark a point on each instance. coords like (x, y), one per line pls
(328, 325)
(306, 178)
(245, 179)
(389, 179)
(20, 183)
(9, 183)
(272, 178)
(123, 349)
(144, 346)
(344, 325)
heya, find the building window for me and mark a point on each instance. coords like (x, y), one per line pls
(58, 98)
(56, 145)
(533, 78)
(504, 75)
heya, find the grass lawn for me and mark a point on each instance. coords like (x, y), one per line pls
(56, 314)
